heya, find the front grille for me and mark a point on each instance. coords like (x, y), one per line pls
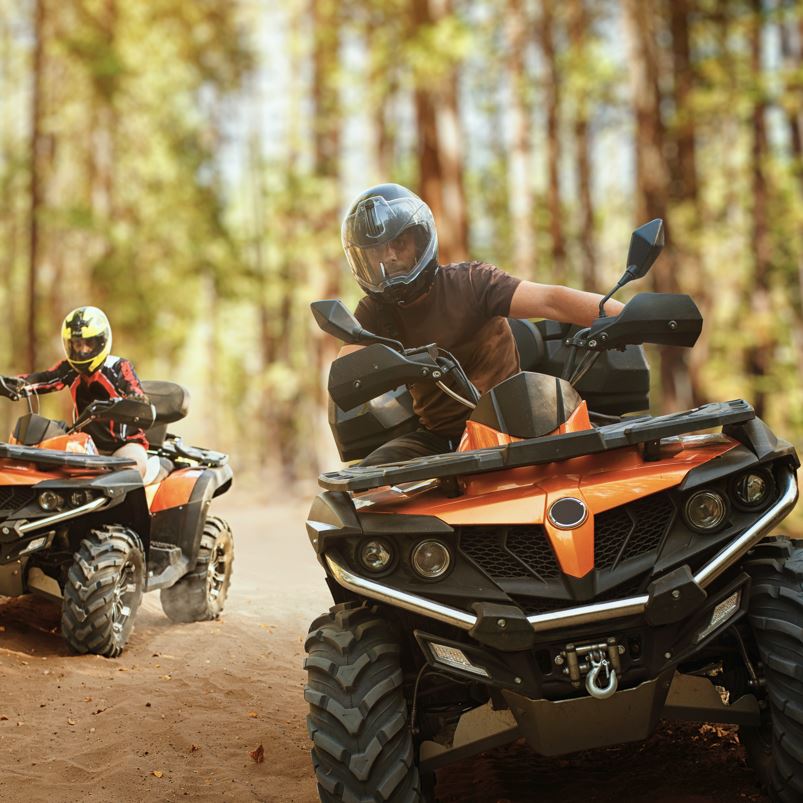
(14, 497)
(631, 530)
(510, 553)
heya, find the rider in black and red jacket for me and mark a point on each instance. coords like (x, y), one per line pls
(92, 373)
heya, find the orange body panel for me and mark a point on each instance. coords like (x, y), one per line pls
(13, 472)
(602, 481)
(175, 490)
(79, 443)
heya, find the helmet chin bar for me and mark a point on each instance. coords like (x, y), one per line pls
(403, 294)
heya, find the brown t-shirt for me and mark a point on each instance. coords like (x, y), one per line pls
(465, 312)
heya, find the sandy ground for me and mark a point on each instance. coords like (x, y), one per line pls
(178, 714)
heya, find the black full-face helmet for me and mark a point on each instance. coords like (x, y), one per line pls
(391, 244)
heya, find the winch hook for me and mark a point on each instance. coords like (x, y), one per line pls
(601, 692)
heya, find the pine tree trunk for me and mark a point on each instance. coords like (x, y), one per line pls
(520, 185)
(652, 177)
(685, 190)
(759, 354)
(553, 98)
(578, 31)
(440, 150)
(36, 194)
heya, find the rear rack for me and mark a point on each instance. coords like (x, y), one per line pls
(176, 449)
(537, 451)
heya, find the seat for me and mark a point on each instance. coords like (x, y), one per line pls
(171, 402)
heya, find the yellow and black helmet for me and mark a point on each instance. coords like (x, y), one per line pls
(87, 338)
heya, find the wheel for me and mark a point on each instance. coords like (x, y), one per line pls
(775, 750)
(201, 594)
(103, 591)
(358, 719)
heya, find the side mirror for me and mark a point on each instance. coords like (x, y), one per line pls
(645, 245)
(334, 319)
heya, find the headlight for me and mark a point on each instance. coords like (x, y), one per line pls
(706, 510)
(431, 559)
(752, 489)
(375, 555)
(50, 500)
(78, 498)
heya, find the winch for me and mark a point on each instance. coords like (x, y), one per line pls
(599, 663)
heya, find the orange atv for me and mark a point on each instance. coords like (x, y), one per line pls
(565, 576)
(87, 530)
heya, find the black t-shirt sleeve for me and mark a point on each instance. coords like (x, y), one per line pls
(492, 289)
(366, 314)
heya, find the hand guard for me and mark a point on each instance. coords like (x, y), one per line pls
(12, 387)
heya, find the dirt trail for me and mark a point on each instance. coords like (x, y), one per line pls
(177, 715)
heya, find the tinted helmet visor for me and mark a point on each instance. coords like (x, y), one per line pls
(389, 242)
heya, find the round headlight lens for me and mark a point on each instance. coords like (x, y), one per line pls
(706, 510)
(375, 555)
(752, 489)
(50, 500)
(431, 559)
(78, 498)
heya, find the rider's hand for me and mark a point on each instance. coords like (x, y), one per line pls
(11, 387)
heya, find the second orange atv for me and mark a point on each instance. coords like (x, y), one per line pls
(566, 577)
(88, 531)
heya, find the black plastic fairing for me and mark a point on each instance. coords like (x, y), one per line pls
(527, 405)
(740, 458)
(362, 375)
(32, 429)
(331, 516)
(666, 319)
(362, 429)
(761, 440)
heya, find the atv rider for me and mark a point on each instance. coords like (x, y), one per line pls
(391, 246)
(92, 373)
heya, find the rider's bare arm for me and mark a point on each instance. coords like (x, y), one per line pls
(531, 300)
(348, 349)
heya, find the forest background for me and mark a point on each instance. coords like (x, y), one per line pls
(185, 166)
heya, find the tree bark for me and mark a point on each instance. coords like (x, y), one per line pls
(36, 191)
(759, 353)
(520, 184)
(685, 188)
(578, 31)
(440, 148)
(553, 101)
(652, 176)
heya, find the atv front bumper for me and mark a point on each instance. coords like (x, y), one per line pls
(597, 613)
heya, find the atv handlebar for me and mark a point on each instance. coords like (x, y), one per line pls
(130, 412)
(13, 388)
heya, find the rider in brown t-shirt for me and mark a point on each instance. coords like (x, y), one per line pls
(391, 245)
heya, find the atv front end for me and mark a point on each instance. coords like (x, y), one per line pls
(566, 594)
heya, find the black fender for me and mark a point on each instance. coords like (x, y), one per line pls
(183, 525)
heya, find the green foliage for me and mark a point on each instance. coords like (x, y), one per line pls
(180, 191)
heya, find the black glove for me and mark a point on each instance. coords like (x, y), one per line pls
(11, 387)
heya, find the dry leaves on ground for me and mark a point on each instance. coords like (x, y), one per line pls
(258, 755)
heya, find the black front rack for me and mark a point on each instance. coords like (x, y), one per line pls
(59, 459)
(537, 451)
